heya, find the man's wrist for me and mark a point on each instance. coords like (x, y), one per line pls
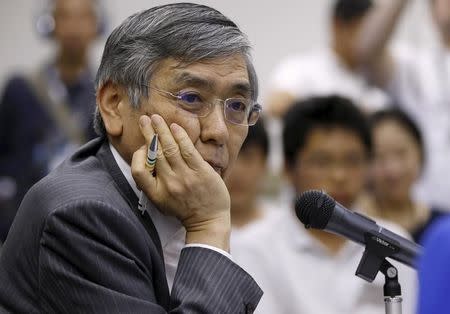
(214, 233)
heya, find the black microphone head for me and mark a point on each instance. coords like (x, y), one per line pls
(314, 209)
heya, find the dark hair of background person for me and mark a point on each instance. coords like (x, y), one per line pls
(257, 136)
(349, 10)
(404, 120)
(322, 113)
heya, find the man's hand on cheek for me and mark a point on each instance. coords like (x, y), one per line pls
(185, 186)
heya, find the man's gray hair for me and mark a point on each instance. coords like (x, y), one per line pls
(184, 31)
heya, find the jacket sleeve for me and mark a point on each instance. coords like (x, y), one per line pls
(209, 282)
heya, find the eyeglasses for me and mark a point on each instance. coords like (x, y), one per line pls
(238, 111)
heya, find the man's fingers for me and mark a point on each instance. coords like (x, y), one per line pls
(146, 128)
(187, 149)
(148, 132)
(162, 166)
(144, 179)
(168, 146)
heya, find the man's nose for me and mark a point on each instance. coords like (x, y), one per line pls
(214, 128)
(338, 174)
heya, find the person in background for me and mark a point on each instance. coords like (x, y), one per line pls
(245, 182)
(416, 78)
(331, 71)
(327, 146)
(399, 156)
(46, 114)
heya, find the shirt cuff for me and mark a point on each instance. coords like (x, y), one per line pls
(209, 247)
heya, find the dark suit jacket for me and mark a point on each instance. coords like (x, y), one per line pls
(78, 245)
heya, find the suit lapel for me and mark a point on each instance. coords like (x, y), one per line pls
(106, 157)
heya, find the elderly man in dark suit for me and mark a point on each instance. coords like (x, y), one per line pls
(79, 242)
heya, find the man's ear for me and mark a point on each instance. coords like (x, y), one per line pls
(109, 98)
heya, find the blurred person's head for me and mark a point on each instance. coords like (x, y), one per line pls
(74, 27)
(245, 180)
(440, 11)
(327, 146)
(347, 19)
(398, 155)
(187, 63)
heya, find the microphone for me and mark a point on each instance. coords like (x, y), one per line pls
(316, 209)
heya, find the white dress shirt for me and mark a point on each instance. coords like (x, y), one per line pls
(323, 74)
(171, 233)
(299, 275)
(421, 86)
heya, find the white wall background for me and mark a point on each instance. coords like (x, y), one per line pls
(275, 28)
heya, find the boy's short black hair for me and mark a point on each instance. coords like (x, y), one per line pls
(349, 10)
(322, 113)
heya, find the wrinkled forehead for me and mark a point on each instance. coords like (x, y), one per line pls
(210, 75)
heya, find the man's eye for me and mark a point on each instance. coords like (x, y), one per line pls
(190, 97)
(237, 105)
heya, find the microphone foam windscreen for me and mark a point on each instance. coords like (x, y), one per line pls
(314, 209)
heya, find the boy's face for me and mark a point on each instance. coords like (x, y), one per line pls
(333, 160)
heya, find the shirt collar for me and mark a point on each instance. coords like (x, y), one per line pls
(168, 227)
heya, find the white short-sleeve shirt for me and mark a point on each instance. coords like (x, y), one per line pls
(298, 275)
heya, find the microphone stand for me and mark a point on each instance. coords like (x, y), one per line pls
(374, 261)
(392, 291)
